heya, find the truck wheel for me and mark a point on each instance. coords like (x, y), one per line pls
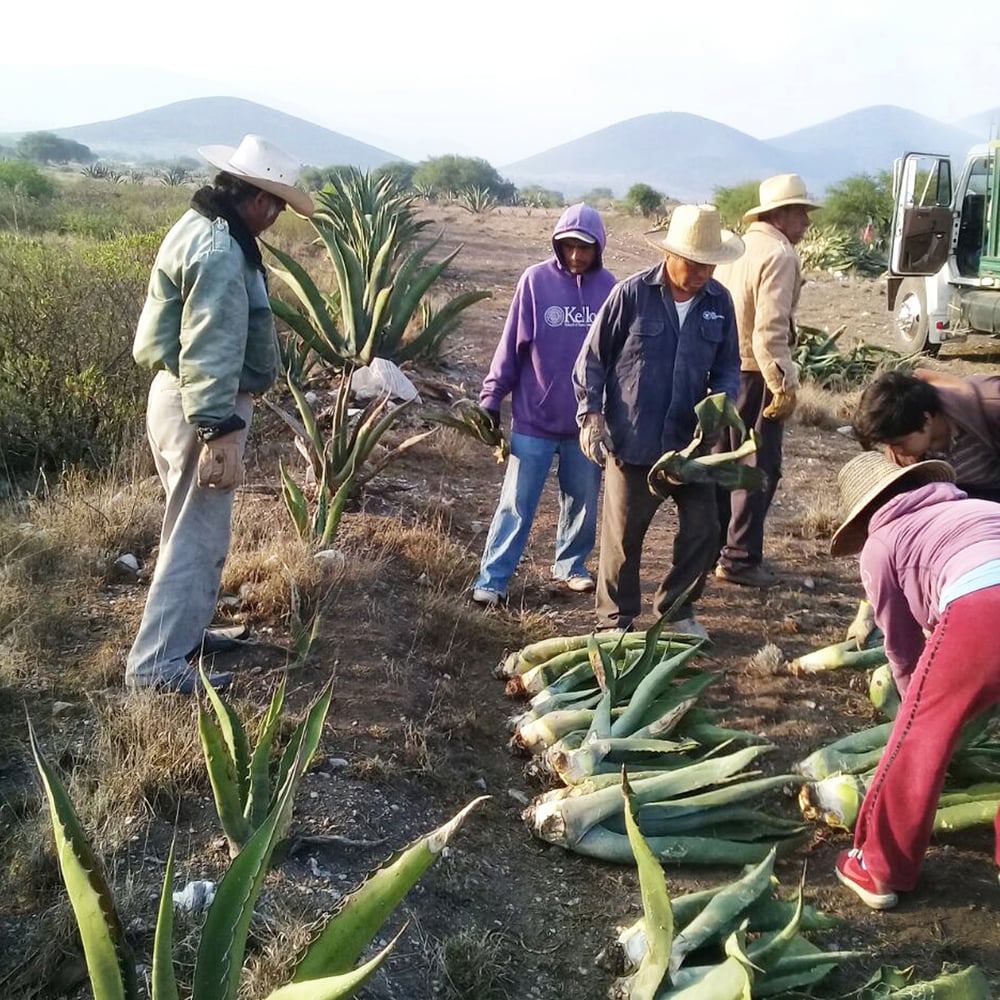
(910, 319)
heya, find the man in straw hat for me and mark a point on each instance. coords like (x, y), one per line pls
(765, 284)
(664, 339)
(930, 564)
(207, 331)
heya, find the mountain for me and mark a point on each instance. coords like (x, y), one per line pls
(177, 130)
(685, 156)
(985, 125)
(867, 141)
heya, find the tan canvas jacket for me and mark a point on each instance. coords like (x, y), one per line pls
(765, 284)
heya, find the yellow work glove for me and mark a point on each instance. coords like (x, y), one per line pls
(220, 465)
(782, 406)
(594, 439)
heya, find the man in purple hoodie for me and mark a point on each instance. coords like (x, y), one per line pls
(930, 565)
(553, 307)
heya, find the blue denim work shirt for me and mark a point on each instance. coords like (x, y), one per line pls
(645, 374)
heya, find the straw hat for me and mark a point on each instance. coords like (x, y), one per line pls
(776, 192)
(867, 481)
(265, 166)
(695, 233)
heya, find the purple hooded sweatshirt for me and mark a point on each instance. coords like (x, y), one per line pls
(547, 323)
(919, 543)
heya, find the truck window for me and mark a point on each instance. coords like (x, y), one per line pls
(971, 227)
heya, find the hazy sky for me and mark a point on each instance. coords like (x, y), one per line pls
(503, 80)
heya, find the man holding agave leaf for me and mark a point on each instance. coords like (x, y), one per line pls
(207, 331)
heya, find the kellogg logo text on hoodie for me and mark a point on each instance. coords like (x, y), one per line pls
(569, 316)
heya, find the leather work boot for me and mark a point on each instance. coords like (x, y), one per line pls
(748, 576)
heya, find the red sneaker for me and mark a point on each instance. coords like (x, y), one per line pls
(850, 871)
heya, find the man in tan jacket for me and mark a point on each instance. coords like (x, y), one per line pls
(765, 284)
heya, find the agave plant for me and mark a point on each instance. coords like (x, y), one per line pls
(477, 200)
(241, 777)
(325, 971)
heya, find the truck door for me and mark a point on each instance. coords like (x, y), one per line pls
(922, 217)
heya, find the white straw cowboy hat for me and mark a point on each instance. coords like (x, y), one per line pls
(777, 192)
(867, 481)
(695, 233)
(265, 166)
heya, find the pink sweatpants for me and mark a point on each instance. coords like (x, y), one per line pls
(957, 677)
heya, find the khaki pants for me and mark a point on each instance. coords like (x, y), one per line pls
(194, 542)
(628, 511)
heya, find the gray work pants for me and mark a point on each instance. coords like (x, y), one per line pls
(194, 542)
(629, 507)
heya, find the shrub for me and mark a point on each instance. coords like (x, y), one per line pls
(69, 390)
(25, 178)
(643, 199)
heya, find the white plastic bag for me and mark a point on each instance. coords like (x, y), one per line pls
(380, 377)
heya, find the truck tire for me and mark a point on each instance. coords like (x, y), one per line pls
(909, 321)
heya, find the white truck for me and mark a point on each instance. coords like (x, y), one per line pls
(944, 253)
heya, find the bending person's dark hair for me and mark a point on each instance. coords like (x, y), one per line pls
(894, 405)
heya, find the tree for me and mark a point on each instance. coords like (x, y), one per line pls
(599, 197)
(401, 171)
(733, 202)
(47, 147)
(451, 174)
(316, 178)
(535, 196)
(25, 178)
(643, 199)
(852, 202)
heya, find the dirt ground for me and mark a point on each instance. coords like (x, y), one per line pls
(419, 722)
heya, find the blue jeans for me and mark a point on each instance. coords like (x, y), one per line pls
(527, 469)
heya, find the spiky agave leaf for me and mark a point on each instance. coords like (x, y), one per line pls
(164, 984)
(109, 959)
(348, 932)
(657, 912)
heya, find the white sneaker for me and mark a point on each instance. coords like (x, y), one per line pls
(687, 626)
(581, 584)
(488, 598)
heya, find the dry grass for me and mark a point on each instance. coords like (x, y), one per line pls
(474, 965)
(819, 520)
(823, 408)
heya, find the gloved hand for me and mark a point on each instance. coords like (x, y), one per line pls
(782, 406)
(863, 624)
(220, 465)
(594, 440)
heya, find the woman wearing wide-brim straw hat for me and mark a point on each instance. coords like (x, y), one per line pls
(930, 564)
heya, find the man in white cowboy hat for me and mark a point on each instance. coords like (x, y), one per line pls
(930, 565)
(765, 284)
(665, 338)
(207, 331)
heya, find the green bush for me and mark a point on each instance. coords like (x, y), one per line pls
(69, 389)
(643, 199)
(451, 174)
(25, 178)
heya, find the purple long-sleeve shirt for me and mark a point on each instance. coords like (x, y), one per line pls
(919, 543)
(546, 325)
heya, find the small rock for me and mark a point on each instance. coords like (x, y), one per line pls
(127, 563)
(333, 559)
(518, 796)
(480, 783)
(61, 708)
(336, 763)
(809, 583)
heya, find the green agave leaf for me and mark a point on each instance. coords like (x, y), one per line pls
(109, 958)
(658, 915)
(335, 987)
(260, 761)
(305, 737)
(425, 343)
(331, 352)
(351, 928)
(297, 279)
(163, 981)
(225, 788)
(234, 734)
(227, 923)
(295, 502)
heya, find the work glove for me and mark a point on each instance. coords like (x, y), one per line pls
(863, 624)
(220, 465)
(782, 406)
(594, 440)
